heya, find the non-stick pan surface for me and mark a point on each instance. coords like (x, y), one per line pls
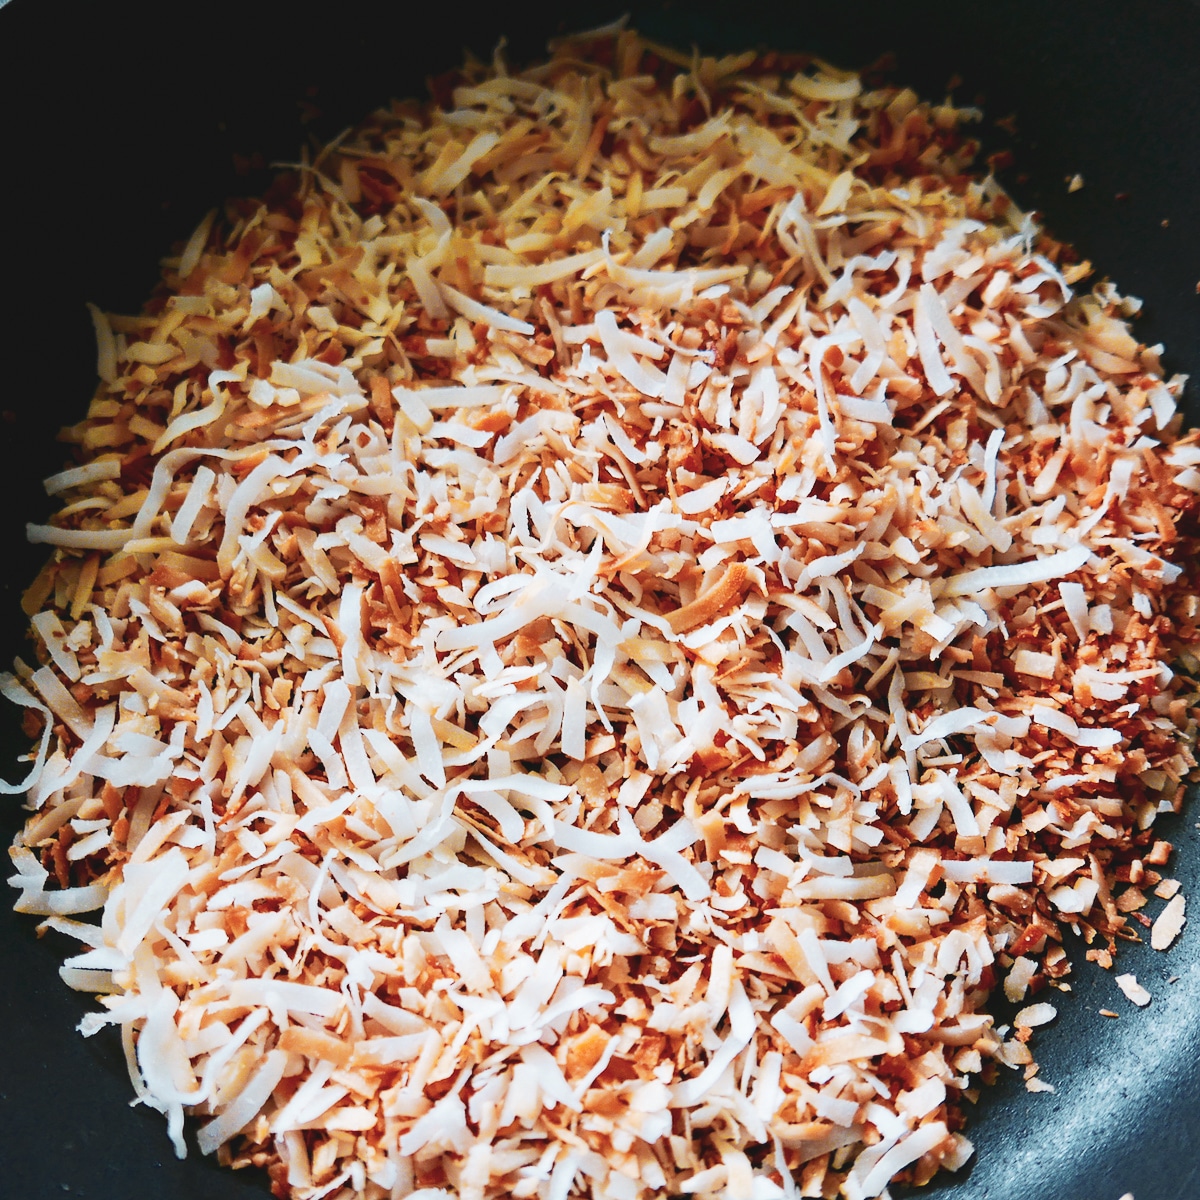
(121, 123)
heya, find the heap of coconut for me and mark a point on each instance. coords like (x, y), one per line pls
(592, 628)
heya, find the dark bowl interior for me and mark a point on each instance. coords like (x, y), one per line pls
(122, 123)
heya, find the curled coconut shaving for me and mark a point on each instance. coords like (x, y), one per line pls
(592, 628)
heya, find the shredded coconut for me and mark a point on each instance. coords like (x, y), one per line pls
(585, 637)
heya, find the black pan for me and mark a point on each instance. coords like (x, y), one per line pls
(122, 123)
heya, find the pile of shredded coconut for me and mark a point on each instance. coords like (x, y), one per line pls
(590, 630)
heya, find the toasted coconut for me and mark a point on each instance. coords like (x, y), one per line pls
(594, 635)
(725, 594)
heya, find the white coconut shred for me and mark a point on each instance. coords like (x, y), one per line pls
(592, 628)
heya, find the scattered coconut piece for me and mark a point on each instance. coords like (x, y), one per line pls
(1034, 1015)
(1169, 923)
(1132, 990)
